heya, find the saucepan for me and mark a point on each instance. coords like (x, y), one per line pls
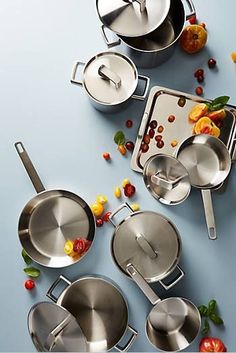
(149, 241)
(99, 308)
(173, 323)
(51, 218)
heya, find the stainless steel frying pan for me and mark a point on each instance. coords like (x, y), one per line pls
(51, 218)
(208, 163)
(173, 323)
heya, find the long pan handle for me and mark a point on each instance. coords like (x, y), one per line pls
(209, 214)
(31, 171)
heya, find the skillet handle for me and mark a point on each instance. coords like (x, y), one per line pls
(209, 214)
(127, 346)
(192, 9)
(31, 171)
(50, 294)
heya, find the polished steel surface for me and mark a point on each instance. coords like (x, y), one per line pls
(173, 324)
(100, 310)
(159, 237)
(51, 218)
(171, 185)
(206, 159)
(163, 102)
(132, 18)
(53, 329)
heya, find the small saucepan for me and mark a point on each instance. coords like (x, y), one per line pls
(208, 163)
(51, 218)
(99, 308)
(173, 323)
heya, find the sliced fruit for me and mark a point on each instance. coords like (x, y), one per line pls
(217, 114)
(206, 126)
(197, 111)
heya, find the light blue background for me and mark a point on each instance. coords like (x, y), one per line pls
(65, 137)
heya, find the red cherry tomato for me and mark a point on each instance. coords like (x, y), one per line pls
(106, 156)
(199, 72)
(99, 222)
(129, 123)
(29, 284)
(129, 190)
(211, 344)
(106, 216)
(199, 90)
(192, 20)
(79, 245)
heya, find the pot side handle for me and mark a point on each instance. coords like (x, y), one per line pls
(127, 346)
(106, 40)
(147, 83)
(175, 280)
(73, 73)
(124, 205)
(192, 9)
(50, 294)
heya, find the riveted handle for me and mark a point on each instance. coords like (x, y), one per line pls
(74, 71)
(175, 280)
(127, 346)
(29, 167)
(147, 83)
(109, 75)
(50, 294)
(121, 207)
(106, 40)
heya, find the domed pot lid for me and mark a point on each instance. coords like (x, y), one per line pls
(53, 329)
(132, 18)
(148, 241)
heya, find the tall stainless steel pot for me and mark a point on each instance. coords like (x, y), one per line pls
(154, 48)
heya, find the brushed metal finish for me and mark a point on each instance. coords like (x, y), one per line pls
(160, 234)
(100, 309)
(132, 18)
(173, 324)
(169, 170)
(52, 328)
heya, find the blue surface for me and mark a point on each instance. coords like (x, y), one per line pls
(65, 137)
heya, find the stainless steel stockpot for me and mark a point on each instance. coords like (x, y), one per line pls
(100, 310)
(173, 323)
(148, 241)
(156, 47)
(51, 218)
(110, 80)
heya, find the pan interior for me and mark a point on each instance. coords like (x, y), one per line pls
(208, 163)
(173, 324)
(48, 221)
(100, 310)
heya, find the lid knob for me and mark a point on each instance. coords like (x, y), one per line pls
(145, 246)
(142, 4)
(109, 75)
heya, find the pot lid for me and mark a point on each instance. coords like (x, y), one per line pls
(110, 78)
(132, 18)
(166, 179)
(53, 328)
(148, 241)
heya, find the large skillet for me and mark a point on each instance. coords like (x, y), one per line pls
(50, 218)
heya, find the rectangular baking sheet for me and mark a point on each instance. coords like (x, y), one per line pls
(163, 102)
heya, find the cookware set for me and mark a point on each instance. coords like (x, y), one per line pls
(91, 314)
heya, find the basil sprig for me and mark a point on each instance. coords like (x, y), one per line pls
(32, 272)
(26, 257)
(119, 138)
(209, 312)
(218, 103)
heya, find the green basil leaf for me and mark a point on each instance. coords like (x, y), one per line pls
(220, 100)
(216, 319)
(206, 327)
(26, 257)
(211, 306)
(32, 272)
(209, 105)
(119, 138)
(203, 310)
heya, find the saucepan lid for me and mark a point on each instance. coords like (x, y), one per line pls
(148, 241)
(53, 329)
(166, 179)
(132, 18)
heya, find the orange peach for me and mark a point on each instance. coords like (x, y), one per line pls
(197, 111)
(206, 126)
(217, 114)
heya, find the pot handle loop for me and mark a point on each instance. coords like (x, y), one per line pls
(142, 284)
(145, 246)
(73, 73)
(52, 336)
(192, 9)
(124, 205)
(29, 167)
(147, 83)
(50, 294)
(109, 75)
(175, 281)
(106, 40)
(127, 346)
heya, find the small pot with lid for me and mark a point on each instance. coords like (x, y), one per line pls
(110, 80)
(148, 241)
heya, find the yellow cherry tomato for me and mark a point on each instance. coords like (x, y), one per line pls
(97, 209)
(135, 207)
(117, 192)
(102, 199)
(125, 182)
(68, 247)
